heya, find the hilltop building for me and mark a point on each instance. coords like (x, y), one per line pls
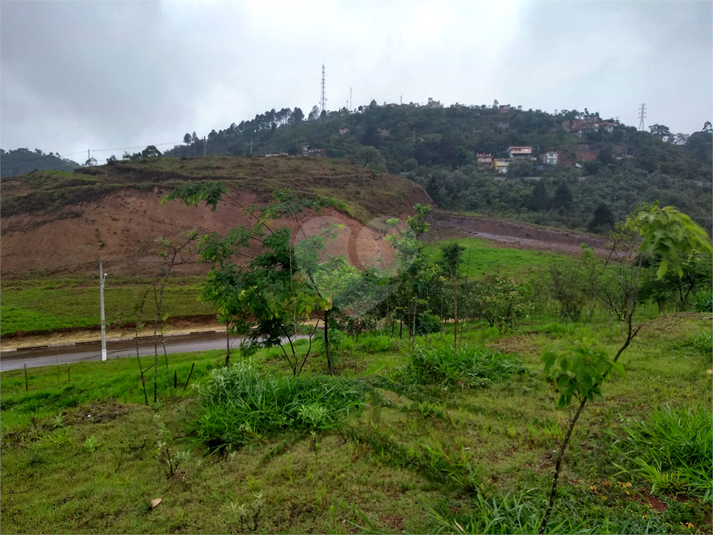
(588, 125)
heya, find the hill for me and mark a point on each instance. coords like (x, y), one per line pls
(450, 152)
(63, 222)
(21, 161)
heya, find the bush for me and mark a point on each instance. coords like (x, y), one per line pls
(673, 450)
(375, 343)
(703, 301)
(238, 407)
(474, 367)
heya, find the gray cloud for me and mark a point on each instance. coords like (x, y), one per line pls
(79, 75)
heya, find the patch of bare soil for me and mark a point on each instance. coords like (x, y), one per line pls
(511, 234)
(96, 412)
(121, 229)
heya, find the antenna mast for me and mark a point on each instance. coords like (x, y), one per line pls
(324, 97)
(642, 115)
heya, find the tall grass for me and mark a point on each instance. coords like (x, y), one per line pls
(468, 366)
(238, 407)
(673, 450)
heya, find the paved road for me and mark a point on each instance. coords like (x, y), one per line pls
(51, 356)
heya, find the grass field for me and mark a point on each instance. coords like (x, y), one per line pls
(42, 305)
(469, 451)
(480, 258)
(51, 304)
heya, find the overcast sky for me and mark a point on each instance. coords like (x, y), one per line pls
(111, 75)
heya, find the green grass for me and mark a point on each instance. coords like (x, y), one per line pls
(49, 304)
(89, 456)
(485, 259)
(673, 450)
(239, 407)
(46, 304)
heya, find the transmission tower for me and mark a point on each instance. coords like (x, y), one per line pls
(642, 115)
(324, 97)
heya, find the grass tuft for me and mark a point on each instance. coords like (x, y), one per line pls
(239, 407)
(673, 450)
(467, 366)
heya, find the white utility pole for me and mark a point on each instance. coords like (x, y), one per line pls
(102, 276)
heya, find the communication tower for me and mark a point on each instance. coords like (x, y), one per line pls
(323, 100)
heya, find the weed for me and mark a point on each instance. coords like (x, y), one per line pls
(58, 438)
(672, 450)
(90, 444)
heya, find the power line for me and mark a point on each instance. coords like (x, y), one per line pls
(61, 157)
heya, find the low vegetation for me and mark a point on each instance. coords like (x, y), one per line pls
(415, 456)
(469, 419)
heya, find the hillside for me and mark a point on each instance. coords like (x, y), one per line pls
(21, 161)
(447, 150)
(64, 222)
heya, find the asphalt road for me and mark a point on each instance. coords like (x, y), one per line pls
(51, 356)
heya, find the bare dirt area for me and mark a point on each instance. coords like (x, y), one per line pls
(121, 230)
(512, 234)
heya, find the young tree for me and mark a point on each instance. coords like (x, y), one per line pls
(578, 370)
(267, 298)
(450, 262)
(414, 271)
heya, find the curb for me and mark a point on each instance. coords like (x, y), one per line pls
(51, 346)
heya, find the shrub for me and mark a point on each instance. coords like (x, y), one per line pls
(374, 343)
(703, 301)
(238, 407)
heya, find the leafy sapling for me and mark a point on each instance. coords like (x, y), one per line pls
(579, 369)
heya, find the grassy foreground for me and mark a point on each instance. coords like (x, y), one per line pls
(433, 443)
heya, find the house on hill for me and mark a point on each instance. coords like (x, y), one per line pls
(501, 165)
(484, 160)
(588, 125)
(550, 157)
(519, 152)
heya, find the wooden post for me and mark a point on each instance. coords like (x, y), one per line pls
(27, 388)
(189, 377)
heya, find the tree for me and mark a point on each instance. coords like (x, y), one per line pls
(450, 262)
(538, 198)
(314, 114)
(270, 298)
(602, 219)
(578, 370)
(150, 152)
(371, 158)
(415, 272)
(187, 139)
(661, 131)
(562, 201)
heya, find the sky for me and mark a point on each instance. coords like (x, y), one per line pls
(112, 76)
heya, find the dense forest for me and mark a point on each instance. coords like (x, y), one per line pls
(21, 161)
(600, 177)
